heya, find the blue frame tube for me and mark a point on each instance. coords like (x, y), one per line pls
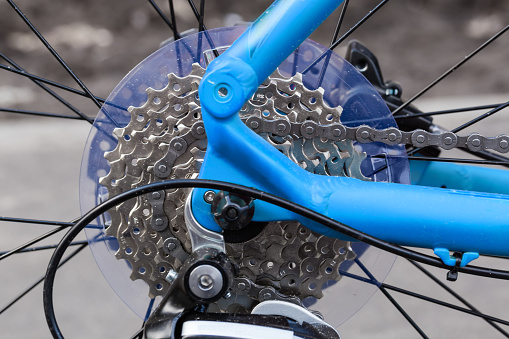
(405, 215)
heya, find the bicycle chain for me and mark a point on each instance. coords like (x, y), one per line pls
(166, 139)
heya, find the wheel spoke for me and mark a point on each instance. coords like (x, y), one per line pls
(176, 34)
(49, 82)
(456, 295)
(374, 281)
(54, 53)
(340, 22)
(165, 19)
(403, 312)
(41, 114)
(452, 69)
(481, 117)
(48, 247)
(448, 111)
(25, 292)
(347, 34)
(31, 242)
(38, 221)
(49, 91)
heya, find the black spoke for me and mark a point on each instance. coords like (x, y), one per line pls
(41, 114)
(456, 295)
(54, 53)
(390, 298)
(49, 91)
(176, 34)
(49, 82)
(25, 292)
(447, 111)
(403, 312)
(38, 222)
(347, 34)
(165, 19)
(340, 22)
(31, 242)
(201, 27)
(47, 247)
(445, 304)
(452, 69)
(357, 25)
(481, 117)
(423, 297)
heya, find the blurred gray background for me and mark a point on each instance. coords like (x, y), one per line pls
(415, 41)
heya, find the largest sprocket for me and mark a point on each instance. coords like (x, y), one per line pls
(165, 139)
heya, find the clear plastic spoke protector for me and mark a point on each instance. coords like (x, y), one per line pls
(343, 85)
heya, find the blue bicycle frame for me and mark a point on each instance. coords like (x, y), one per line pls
(441, 219)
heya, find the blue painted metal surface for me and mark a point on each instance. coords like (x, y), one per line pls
(458, 176)
(407, 215)
(466, 258)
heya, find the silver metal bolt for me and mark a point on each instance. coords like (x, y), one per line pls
(162, 168)
(503, 143)
(421, 138)
(242, 286)
(209, 196)
(447, 140)
(310, 129)
(254, 124)
(336, 132)
(200, 130)
(206, 282)
(266, 296)
(476, 142)
(281, 127)
(364, 134)
(159, 222)
(171, 276)
(156, 195)
(392, 136)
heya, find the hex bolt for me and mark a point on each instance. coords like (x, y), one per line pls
(266, 296)
(392, 136)
(310, 129)
(281, 127)
(156, 195)
(159, 222)
(206, 282)
(254, 124)
(420, 138)
(162, 168)
(336, 132)
(503, 143)
(447, 140)
(242, 286)
(209, 196)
